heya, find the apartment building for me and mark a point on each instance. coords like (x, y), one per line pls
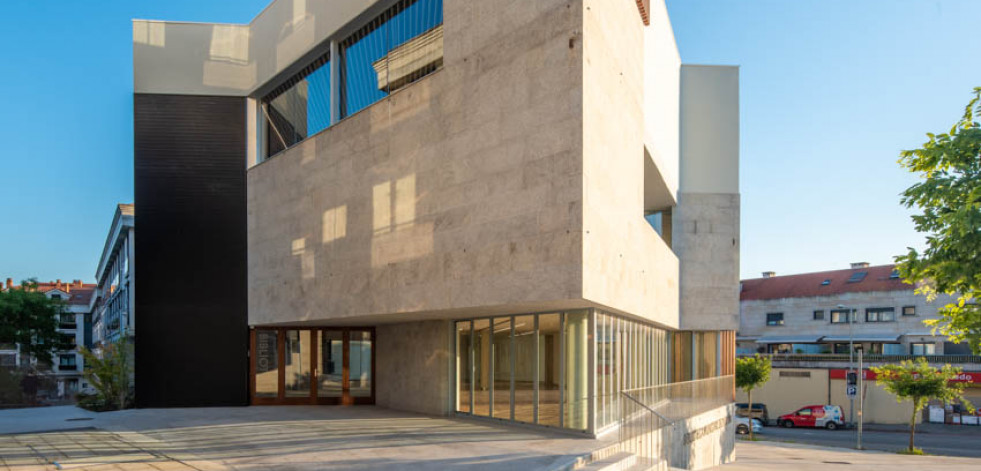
(112, 314)
(809, 313)
(811, 323)
(74, 324)
(508, 210)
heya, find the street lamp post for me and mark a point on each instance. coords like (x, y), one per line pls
(861, 397)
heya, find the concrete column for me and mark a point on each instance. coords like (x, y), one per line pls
(335, 83)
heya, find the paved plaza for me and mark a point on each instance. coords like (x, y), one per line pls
(293, 438)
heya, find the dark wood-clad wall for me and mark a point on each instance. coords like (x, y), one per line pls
(190, 264)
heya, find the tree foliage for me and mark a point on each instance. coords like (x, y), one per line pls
(751, 373)
(919, 382)
(30, 319)
(949, 200)
(109, 373)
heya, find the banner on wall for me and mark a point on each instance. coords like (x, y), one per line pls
(965, 377)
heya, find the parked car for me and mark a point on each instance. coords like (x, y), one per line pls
(829, 417)
(743, 425)
(759, 412)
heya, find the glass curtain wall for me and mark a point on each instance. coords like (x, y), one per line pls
(536, 368)
(629, 355)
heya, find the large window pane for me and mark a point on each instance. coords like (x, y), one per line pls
(548, 369)
(603, 366)
(394, 49)
(707, 350)
(482, 365)
(502, 368)
(524, 368)
(682, 356)
(360, 363)
(297, 363)
(266, 363)
(576, 387)
(299, 108)
(463, 366)
(331, 364)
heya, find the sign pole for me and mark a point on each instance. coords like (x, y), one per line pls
(861, 397)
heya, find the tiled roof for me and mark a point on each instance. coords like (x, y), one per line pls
(805, 285)
(79, 293)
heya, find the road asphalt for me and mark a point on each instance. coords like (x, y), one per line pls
(946, 440)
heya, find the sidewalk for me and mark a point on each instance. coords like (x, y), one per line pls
(937, 429)
(764, 456)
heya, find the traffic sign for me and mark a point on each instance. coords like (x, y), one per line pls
(851, 390)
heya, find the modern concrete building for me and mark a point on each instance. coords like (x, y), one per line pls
(803, 322)
(74, 324)
(514, 210)
(112, 315)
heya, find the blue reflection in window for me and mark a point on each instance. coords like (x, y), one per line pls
(374, 41)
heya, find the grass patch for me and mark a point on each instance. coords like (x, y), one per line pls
(914, 451)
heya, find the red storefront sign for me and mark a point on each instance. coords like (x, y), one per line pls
(965, 377)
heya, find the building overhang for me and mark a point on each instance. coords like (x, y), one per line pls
(862, 338)
(789, 339)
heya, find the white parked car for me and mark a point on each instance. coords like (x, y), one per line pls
(743, 425)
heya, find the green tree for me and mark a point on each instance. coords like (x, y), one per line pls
(949, 200)
(109, 373)
(919, 382)
(751, 373)
(30, 319)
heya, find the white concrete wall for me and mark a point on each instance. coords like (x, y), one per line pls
(662, 88)
(229, 59)
(459, 195)
(705, 226)
(627, 267)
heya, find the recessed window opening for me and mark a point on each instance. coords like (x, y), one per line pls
(857, 276)
(298, 108)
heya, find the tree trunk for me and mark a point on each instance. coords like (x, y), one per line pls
(749, 395)
(912, 425)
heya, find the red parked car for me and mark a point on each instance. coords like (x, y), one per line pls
(828, 417)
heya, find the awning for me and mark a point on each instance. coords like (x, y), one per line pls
(862, 338)
(789, 339)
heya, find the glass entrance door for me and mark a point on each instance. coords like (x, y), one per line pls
(312, 366)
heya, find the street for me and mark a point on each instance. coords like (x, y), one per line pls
(933, 439)
(775, 456)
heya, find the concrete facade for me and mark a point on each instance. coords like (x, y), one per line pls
(512, 178)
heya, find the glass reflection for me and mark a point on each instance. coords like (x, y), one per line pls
(266, 363)
(548, 369)
(297, 363)
(502, 368)
(576, 387)
(359, 358)
(330, 365)
(481, 366)
(463, 366)
(524, 368)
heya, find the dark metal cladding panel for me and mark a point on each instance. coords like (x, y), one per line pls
(190, 262)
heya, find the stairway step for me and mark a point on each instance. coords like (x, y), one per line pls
(622, 461)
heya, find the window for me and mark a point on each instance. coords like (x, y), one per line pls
(893, 349)
(66, 321)
(922, 349)
(66, 362)
(880, 314)
(774, 319)
(819, 315)
(894, 275)
(804, 412)
(839, 316)
(909, 310)
(795, 374)
(298, 108)
(826, 282)
(56, 296)
(857, 276)
(396, 48)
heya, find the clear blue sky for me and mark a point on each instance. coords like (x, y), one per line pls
(831, 92)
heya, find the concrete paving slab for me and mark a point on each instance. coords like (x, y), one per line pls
(45, 419)
(294, 438)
